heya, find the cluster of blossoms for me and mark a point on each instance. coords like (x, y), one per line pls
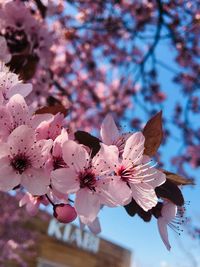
(88, 60)
(95, 53)
(75, 172)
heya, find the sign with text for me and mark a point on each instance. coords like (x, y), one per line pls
(71, 234)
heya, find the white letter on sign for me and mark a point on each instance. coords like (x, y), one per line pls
(54, 229)
(76, 237)
(91, 242)
(66, 233)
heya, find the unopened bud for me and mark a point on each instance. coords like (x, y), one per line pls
(64, 213)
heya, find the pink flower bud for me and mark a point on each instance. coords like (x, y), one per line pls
(64, 213)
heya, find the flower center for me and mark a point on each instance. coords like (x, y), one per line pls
(58, 163)
(124, 173)
(87, 179)
(20, 163)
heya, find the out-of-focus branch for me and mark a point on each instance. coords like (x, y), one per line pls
(157, 34)
(42, 8)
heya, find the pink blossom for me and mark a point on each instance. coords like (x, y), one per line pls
(32, 203)
(90, 179)
(134, 168)
(11, 85)
(111, 135)
(50, 129)
(25, 34)
(22, 162)
(168, 213)
(16, 113)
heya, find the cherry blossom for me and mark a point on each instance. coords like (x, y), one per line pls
(28, 40)
(11, 85)
(91, 181)
(32, 203)
(111, 135)
(23, 162)
(136, 170)
(16, 113)
(80, 67)
(50, 129)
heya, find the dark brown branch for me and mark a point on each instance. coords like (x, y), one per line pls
(42, 8)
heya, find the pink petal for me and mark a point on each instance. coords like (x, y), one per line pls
(58, 143)
(75, 155)
(35, 181)
(144, 195)
(169, 211)
(65, 180)
(33, 208)
(39, 153)
(114, 191)
(32, 204)
(20, 88)
(1, 97)
(162, 227)
(24, 200)
(21, 139)
(8, 177)
(58, 197)
(109, 131)
(95, 226)
(106, 159)
(7, 81)
(133, 149)
(157, 177)
(5, 122)
(37, 119)
(50, 129)
(19, 110)
(4, 150)
(87, 205)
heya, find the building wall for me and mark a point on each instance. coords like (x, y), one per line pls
(67, 246)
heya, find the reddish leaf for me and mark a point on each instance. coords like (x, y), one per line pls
(170, 191)
(53, 110)
(133, 208)
(24, 65)
(88, 140)
(153, 134)
(177, 179)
